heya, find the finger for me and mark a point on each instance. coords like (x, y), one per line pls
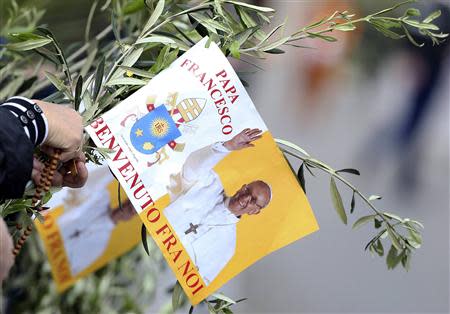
(57, 179)
(254, 132)
(66, 156)
(245, 131)
(249, 145)
(36, 176)
(80, 179)
(37, 165)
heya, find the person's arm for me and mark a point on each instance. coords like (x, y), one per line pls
(204, 159)
(23, 126)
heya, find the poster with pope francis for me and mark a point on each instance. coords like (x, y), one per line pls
(203, 172)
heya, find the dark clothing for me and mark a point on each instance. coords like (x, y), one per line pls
(16, 156)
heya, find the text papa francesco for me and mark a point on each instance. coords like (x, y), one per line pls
(222, 93)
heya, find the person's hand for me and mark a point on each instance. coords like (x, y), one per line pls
(126, 213)
(64, 176)
(6, 248)
(65, 130)
(243, 139)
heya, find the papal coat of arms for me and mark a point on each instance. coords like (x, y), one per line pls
(160, 126)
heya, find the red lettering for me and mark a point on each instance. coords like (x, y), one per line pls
(214, 91)
(186, 268)
(224, 117)
(197, 280)
(227, 129)
(175, 255)
(185, 62)
(222, 73)
(97, 122)
(223, 110)
(197, 290)
(156, 216)
(128, 167)
(194, 67)
(102, 132)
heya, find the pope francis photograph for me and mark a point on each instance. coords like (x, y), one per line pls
(203, 216)
(88, 221)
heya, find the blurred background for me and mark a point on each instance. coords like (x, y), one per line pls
(366, 102)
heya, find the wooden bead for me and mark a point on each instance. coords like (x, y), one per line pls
(23, 237)
(27, 233)
(21, 242)
(18, 226)
(29, 227)
(15, 252)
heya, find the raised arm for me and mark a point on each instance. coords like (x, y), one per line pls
(203, 160)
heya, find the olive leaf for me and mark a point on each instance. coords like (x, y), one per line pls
(337, 201)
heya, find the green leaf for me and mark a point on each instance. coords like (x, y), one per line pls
(385, 31)
(291, 145)
(421, 25)
(363, 220)
(156, 39)
(154, 17)
(91, 108)
(392, 216)
(126, 81)
(78, 89)
(220, 296)
(394, 239)
(275, 51)
(242, 37)
(412, 12)
(274, 44)
(352, 204)
(347, 27)
(250, 6)
(59, 84)
(160, 60)
(415, 236)
(349, 170)
(406, 261)
(98, 78)
(133, 7)
(177, 295)
(136, 71)
(28, 44)
(324, 37)
(234, 49)
(131, 59)
(301, 176)
(337, 201)
(377, 223)
(374, 197)
(379, 248)
(246, 19)
(391, 258)
(47, 54)
(432, 16)
(144, 239)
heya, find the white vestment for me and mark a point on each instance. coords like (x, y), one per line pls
(86, 229)
(197, 198)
